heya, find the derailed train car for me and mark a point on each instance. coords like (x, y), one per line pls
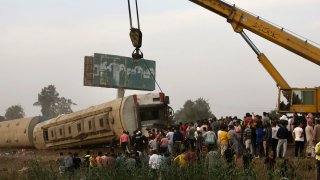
(95, 125)
(18, 132)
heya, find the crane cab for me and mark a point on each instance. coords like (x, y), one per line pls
(300, 100)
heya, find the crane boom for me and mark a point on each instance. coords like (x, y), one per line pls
(281, 82)
(240, 19)
(289, 99)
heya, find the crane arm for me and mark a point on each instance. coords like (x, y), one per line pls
(274, 73)
(240, 19)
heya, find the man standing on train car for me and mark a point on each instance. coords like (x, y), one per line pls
(125, 141)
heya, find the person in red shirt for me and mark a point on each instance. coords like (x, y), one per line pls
(152, 134)
(164, 142)
(247, 119)
(125, 141)
(158, 136)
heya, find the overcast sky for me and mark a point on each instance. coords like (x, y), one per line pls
(197, 52)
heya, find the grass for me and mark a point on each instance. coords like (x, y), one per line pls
(297, 169)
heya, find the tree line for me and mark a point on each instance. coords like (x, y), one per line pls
(52, 105)
(193, 110)
(200, 109)
(48, 100)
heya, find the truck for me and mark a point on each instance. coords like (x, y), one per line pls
(290, 99)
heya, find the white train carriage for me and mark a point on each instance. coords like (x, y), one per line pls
(99, 124)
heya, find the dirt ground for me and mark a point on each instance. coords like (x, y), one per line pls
(19, 159)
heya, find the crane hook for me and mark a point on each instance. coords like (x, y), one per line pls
(135, 35)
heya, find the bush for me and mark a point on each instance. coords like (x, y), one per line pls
(37, 172)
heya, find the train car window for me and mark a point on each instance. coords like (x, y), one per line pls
(156, 99)
(149, 114)
(107, 122)
(90, 125)
(69, 129)
(101, 122)
(60, 131)
(52, 134)
(45, 135)
(79, 127)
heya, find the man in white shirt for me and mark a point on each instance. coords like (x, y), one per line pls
(154, 161)
(153, 145)
(170, 140)
(298, 136)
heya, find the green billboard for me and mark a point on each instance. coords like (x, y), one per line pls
(105, 70)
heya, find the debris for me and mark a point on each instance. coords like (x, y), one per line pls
(24, 169)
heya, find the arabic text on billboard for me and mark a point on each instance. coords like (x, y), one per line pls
(122, 72)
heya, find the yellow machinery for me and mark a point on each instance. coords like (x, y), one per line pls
(290, 99)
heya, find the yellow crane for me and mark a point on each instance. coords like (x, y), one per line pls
(300, 100)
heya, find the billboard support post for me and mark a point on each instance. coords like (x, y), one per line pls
(120, 93)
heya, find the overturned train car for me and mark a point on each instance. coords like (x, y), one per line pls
(18, 132)
(95, 125)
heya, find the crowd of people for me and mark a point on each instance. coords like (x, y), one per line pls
(229, 139)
